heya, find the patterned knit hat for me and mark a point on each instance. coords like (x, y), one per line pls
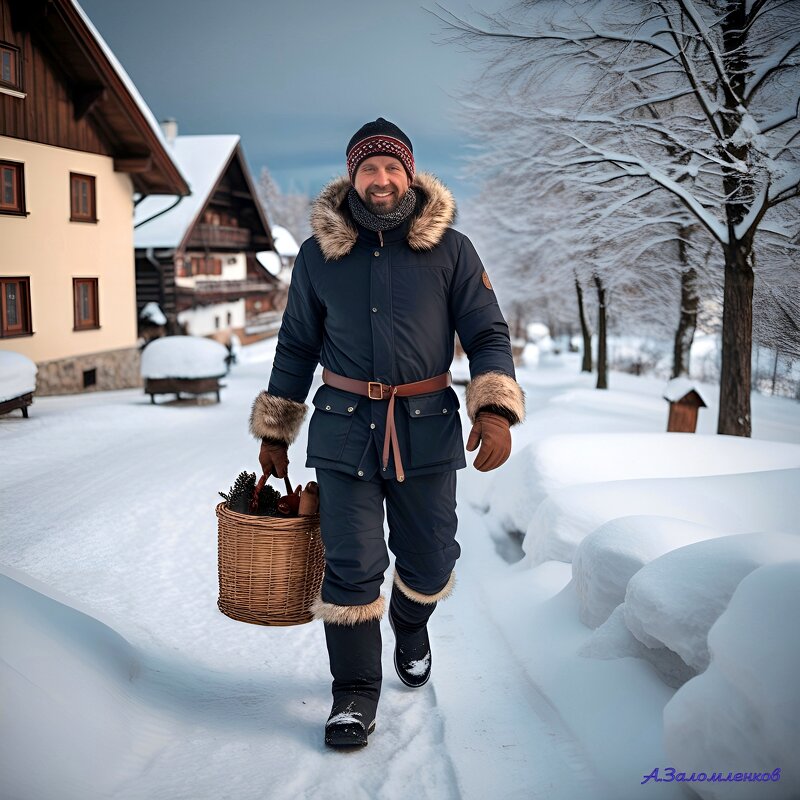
(380, 138)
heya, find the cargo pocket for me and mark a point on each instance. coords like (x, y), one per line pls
(434, 429)
(331, 422)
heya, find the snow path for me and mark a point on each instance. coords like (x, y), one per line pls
(111, 505)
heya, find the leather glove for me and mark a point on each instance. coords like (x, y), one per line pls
(494, 434)
(274, 457)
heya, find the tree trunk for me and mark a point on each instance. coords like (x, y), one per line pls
(687, 324)
(586, 365)
(737, 342)
(602, 358)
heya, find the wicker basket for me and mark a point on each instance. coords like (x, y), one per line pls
(270, 568)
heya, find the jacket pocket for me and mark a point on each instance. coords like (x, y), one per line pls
(331, 422)
(434, 428)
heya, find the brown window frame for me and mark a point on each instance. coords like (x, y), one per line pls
(92, 323)
(25, 326)
(76, 214)
(18, 207)
(16, 67)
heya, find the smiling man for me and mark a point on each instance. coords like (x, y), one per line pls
(377, 296)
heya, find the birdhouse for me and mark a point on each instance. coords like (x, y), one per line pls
(684, 403)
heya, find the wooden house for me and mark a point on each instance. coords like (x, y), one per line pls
(77, 142)
(197, 258)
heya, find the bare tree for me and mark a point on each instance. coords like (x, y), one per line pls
(723, 75)
(288, 210)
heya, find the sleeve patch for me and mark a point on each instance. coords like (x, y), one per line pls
(486, 281)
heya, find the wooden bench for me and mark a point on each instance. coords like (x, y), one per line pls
(22, 402)
(178, 386)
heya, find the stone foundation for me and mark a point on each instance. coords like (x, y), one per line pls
(114, 369)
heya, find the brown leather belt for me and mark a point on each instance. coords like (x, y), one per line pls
(380, 391)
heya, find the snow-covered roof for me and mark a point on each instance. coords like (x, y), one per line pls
(285, 243)
(678, 388)
(152, 313)
(270, 260)
(202, 160)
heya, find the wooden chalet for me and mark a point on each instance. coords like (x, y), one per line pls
(77, 142)
(197, 258)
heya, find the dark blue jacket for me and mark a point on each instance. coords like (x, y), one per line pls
(388, 311)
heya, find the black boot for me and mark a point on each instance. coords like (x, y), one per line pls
(412, 650)
(355, 657)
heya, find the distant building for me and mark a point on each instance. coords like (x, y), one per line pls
(76, 143)
(196, 258)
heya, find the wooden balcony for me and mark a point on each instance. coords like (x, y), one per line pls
(227, 236)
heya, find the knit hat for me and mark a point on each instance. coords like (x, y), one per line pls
(380, 138)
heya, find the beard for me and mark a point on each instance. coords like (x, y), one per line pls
(389, 205)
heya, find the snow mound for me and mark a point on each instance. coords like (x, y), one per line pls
(743, 713)
(765, 500)
(152, 313)
(610, 556)
(184, 357)
(17, 375)
(673, 601)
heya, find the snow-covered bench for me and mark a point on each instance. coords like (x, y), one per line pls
(17, 382)
(183, 365)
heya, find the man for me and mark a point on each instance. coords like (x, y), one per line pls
(376, 297)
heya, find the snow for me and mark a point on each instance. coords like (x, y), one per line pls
(270, 260)
(742, 714)
(202, 159)
(674, 600)
(678, 388)
(419, 667)
(285, 243)
(152, 313)
(17, 375)
(119, 673)
(184, 357)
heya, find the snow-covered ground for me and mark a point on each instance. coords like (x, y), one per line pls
(650, 621)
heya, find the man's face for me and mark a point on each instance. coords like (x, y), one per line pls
(381, 182)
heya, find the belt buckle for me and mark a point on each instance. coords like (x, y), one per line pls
(370, 384)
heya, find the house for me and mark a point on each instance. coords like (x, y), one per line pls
(197, 258)
(77, 142)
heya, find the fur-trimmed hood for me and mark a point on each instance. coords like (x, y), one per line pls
(336, 234)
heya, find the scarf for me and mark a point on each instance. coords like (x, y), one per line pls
(381, 222)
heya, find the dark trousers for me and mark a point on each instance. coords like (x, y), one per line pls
(421, 512)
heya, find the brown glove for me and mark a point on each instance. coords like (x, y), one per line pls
(494, 434)
(274, 457)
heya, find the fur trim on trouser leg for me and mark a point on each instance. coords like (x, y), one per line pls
(495, 389)
(276, 417)
(426, 599)
(347, 615)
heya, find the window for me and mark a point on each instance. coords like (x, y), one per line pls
(85, 295)
(10, 66)
(82, 198)
(12, 188)
(15, 307)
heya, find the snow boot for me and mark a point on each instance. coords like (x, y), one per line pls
(412, 649)
(355, 659)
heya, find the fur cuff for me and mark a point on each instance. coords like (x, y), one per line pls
(347, 615)
(426, 599)
(276, 417)
(495, 389)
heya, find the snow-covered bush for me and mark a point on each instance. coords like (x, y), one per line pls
(742, 715)
(17, 375)
(673, 601)
(184, 357)
(610, 556)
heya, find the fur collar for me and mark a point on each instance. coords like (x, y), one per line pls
(336, 234)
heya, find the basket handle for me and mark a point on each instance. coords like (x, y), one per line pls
(260, 485)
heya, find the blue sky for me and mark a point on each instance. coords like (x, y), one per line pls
(297, 79)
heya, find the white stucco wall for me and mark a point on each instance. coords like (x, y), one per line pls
(202, 321)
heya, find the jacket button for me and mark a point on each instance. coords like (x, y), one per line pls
(444, 411)
(350, 409)
(327, 408)
(417, 411)
(372, 425)
(374, 310)
(361, 473)
(377, 253)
